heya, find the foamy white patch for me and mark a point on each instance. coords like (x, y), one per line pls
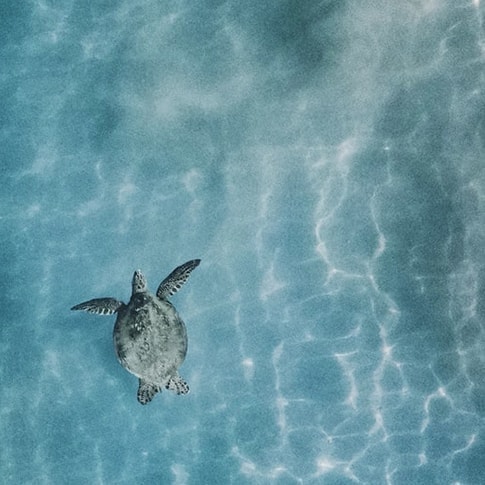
(126, 190)
(271, 284)
(281, 401)
(192, 180)
(349, 370)
(50, 363)
(90, 207)
(325, 464)
(248, 368)
(251, 469)
(181, 476)
(33, 210)
(46, 158)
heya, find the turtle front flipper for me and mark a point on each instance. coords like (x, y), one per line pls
(146, 391)
(174, 281)
(100, 306)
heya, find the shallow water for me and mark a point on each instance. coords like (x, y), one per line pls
(325, 160)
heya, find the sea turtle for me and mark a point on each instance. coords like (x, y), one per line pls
(149, 336)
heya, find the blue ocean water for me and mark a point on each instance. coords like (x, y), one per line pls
(325, 160)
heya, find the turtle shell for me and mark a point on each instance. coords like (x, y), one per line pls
(150, 338)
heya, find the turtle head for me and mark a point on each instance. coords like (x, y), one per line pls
(139, 283)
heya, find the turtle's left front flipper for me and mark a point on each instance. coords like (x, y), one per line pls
(100, 306)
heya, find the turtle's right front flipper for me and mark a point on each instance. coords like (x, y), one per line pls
(100, 306)
(174, 281)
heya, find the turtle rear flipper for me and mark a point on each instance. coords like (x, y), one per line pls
(174, 281)
(100, 306)
(146, 391)
(177, 385)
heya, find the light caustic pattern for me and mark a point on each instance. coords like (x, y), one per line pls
(366, 384)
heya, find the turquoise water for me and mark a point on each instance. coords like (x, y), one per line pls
(326, 162)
